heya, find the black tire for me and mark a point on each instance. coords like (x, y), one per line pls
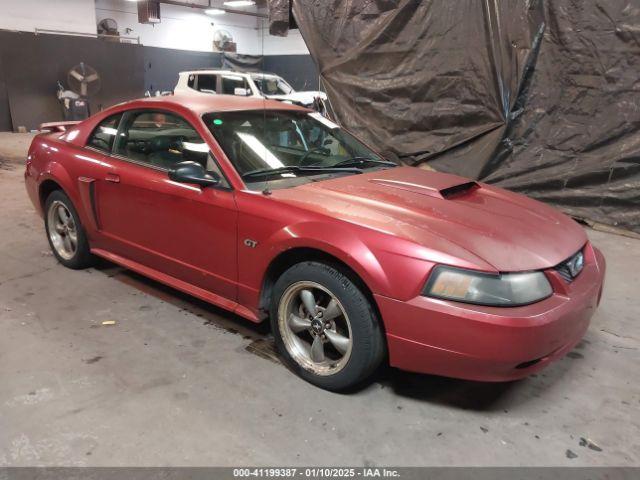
(368, 346)
(82, 257)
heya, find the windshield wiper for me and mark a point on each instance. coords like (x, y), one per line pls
(265, 172)
(359, 161)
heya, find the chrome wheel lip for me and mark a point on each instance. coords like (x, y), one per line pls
(298, 348)
(62, 230)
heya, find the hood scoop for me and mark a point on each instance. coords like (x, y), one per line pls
(444, 191)
(459, 190)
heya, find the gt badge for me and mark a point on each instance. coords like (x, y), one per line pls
(250, 243)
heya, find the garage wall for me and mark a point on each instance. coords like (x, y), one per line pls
(161, 66)
(30, 66)
(292, 44)
(28, 88)
(5, 115)
(299, 70)
(182, 28)
(27, 15)
(39, 61)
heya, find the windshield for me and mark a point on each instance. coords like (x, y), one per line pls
(268, 144)
(272, 85)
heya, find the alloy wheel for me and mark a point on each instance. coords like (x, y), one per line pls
(62, 230)
(315, 328)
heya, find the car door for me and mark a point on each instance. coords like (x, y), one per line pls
(181, 230)
(91, 163)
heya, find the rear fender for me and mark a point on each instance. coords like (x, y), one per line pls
(56, 172)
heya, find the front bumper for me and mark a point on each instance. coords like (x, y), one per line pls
(494, 344)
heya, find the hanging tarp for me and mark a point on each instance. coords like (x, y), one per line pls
(242, 63)
(538, 97)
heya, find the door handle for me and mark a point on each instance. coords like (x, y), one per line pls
(112, 177)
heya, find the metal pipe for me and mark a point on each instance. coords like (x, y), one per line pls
(206, 7)
(38, 31)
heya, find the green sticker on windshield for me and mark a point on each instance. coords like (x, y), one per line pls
(217, 121)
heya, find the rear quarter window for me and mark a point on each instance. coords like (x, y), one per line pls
(104, 135)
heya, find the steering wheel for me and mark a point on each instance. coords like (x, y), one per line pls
(177, 143)
(138, 145)
(304, 157)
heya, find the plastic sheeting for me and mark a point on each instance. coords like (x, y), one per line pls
(538, 97)
(242, 63)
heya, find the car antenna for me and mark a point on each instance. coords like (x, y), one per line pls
(266, 190)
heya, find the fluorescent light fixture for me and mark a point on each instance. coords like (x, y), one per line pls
(239, 3)
(214, 11)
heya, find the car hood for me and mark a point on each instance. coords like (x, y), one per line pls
(510, 232)
(305, 98)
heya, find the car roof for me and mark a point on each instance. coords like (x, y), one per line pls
(212, 70)
(227, 72)
(200, 104)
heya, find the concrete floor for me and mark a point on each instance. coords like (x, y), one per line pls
(178, 382)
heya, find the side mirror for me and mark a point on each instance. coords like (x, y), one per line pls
(193, 172)
(243, 92)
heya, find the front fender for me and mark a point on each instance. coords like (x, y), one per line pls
(261, 240)
(385, 270)
(389, 266)
(336, 241)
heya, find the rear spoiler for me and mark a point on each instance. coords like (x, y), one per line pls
(52, 127)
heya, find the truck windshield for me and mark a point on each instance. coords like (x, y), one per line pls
(285, 144)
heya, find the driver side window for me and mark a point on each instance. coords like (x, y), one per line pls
(162, 140)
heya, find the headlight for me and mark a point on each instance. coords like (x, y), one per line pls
(505, 290)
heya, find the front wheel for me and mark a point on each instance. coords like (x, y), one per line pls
(325, 327)
(66, 236)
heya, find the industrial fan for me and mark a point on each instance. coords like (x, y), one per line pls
(108, 26)
(83, 82)
(223, 41)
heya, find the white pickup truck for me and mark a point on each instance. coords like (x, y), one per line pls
(265, 85)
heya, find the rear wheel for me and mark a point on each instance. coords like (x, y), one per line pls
(66, 236)
(325, 327)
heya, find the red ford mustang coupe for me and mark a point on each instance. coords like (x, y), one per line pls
(272, 211)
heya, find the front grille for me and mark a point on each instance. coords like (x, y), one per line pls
(563, 271)
(571, 267)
